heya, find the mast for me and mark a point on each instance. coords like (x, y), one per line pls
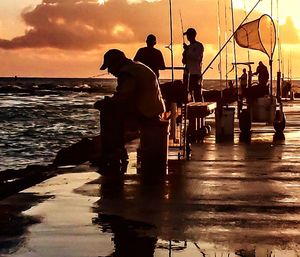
(226, 49)
(219, 41)
(278, 91)
(171, 39)
(278, 39)
(173, 105)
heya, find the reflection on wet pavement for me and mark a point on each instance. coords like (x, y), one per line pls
(14, 224)
(231, 199)
(239, 198)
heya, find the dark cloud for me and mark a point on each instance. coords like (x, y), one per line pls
(86, 25)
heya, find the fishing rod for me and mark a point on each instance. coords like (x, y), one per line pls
(171, 39)
(173, 105)
(245, 11)
(208, 66)
(226, 49)
(278, 84)
(219, 41)
(234, 46)
(278, 39)
(182, 30)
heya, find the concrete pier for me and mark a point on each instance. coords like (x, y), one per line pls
(237, 198)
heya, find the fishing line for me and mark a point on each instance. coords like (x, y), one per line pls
(99, 75)
(182, 29)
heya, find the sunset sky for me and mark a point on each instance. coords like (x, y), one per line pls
(67, 38)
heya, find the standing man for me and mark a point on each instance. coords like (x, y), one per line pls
(243, 82)
(151, 56)
(262, 88)
(263, 74)
(192, 59)
(137, 98)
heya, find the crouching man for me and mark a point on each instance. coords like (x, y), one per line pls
(137, 99)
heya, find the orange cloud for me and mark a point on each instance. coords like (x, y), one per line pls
(86, 24)
(73, 24)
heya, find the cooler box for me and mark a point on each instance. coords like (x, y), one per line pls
(225, 123)
(154, 144)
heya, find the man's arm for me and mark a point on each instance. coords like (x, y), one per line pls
(126, 89)
(162, 65)
(257, 71)
(184, 54)
(137, 56)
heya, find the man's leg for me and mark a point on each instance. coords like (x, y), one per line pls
(195, 85)
(112, 136)
(187, 84)
(111, 125)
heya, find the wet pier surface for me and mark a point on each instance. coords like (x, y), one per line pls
(238, 198)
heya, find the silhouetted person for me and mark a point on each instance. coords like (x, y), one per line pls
(263, 74)
(262, 88)
(243, 82)
(192, 59)
(151, 56)
(137, 98)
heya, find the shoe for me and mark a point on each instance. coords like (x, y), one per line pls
(114, 164)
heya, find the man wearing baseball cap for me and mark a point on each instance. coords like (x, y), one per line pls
(192, 59)
(137, 98)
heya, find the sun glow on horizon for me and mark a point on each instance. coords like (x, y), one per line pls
(100, 24)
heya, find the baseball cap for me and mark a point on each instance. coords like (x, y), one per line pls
(111, 56)
(190, 31)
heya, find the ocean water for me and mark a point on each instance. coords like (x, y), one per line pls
(40, 116)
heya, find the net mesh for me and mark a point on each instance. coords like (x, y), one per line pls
(259, 35)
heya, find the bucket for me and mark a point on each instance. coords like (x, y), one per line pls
(225, 123)
(154, 144)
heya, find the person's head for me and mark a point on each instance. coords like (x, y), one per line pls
(260, 63)
(112, 61)
(151, 40)
(190, 34)
(244, 70)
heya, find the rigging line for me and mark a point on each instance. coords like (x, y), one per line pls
(208, 66)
